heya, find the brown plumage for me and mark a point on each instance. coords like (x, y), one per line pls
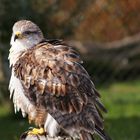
(56, 83)
(56, 73)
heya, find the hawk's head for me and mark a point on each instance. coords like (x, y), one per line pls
(26, 34)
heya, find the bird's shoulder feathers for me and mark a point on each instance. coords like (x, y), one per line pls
(54, 79)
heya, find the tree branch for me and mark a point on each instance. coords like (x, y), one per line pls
(39, 137)
(25, 136)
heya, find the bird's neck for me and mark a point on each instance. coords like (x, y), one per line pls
(15, 51)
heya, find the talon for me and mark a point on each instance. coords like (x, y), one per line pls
(36, 131)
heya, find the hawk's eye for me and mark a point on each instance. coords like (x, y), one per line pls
(27, 32)
(30, 32)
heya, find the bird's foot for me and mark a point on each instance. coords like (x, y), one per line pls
(36, 131)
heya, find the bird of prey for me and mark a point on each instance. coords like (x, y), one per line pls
(49, 84)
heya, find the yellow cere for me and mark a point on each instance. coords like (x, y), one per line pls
(18, 33)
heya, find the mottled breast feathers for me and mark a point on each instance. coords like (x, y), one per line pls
(55, 73)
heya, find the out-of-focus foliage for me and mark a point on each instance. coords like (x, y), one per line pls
(56, 18)
(102, 20)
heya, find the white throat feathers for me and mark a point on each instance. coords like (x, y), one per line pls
(15, 51)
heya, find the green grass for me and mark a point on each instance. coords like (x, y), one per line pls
(10, 126)
(122, 121)
(123, 103)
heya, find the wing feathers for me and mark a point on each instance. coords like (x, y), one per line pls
(54, 78)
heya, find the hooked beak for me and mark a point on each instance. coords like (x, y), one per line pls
(17, 35)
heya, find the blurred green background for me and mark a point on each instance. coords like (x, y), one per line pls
(107, 35)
